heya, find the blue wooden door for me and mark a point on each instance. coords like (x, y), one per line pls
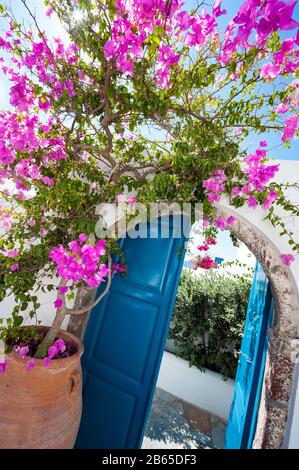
(125, 340)
(250, 373)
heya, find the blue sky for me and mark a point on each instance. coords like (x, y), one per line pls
(52, 27)
(253, 140)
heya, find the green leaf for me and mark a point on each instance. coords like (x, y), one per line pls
(18, 320)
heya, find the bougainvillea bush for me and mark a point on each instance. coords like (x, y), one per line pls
(208, 320)
(149, 97)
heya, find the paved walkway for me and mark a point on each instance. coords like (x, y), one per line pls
(176, 424)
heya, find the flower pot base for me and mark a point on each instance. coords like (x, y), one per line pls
(41, 408)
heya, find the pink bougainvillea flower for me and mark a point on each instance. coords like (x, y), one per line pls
(3, 366)
(57, 347)
(21, 196)
(63, 290)
(15, 267)
(135, 21)
(184, 20)
(287, 259)
(23, 351)
(281, 108)
(258, 172)
(236, 191)
(58, 303)
(263, 143)
(30, 364)
(202, 247)
(52, 351)
(118, 268)
(110, 49)
(47, 361)
(270, 199)
(285, 12)
(220, 223)
(290, 128)
(205, 262)
(230, 220)
(43, 232)
(49, 12)
(12, 253)
(22, 94)
(69, 85)
(60, 345)
(269, 71)
(48, 181)
(217, 9)
(132, 201)
(213, 197)
(44, 104)
(100, 248)
(215, 185)
(255, 16)
(83, 237)
(81, 262)
(252, 203)
(246, 188)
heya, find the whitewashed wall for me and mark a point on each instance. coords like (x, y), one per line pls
(207, 390)
(46, 312)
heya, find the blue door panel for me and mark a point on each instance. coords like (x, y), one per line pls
(125, 340)
(111, 402)
(245, 404)
(142, 317)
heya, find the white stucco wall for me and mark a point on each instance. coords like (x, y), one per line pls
(207, 390)
(46, 312)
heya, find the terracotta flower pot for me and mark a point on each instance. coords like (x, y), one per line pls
(41, 408)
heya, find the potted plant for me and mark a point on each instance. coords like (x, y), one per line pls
(73, 137)
(43, 398)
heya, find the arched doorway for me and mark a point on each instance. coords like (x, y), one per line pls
(107, 379)
(283, 346)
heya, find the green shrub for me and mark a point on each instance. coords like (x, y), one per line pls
(208, 320)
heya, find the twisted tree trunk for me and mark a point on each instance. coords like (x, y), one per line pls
(85, 298)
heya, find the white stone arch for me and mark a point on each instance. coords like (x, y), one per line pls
(278, 386)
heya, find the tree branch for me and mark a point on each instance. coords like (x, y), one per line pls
(71, 311)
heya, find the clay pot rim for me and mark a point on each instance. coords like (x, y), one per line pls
(55, 363)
